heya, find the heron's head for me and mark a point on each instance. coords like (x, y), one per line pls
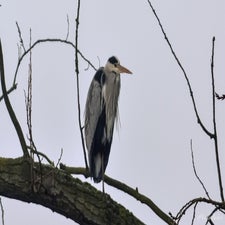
(113, 65)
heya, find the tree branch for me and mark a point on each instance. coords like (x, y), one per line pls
(219, 205)
(9, 91)
(125, 188)
(61, 193)
(77, 83)
(222, 97)
(195, 172)
(183, 70)
(214, 124)
(40, 41)
(9, 107)
(2, 210)
(20, 37)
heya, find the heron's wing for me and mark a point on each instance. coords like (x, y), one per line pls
(93, 108)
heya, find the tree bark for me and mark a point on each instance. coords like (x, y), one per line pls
(24, 180)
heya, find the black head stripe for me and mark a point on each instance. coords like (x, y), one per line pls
(113, 60)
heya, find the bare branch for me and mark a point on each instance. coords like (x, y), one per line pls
(194, 212)
(183, 210)
(214, 124)
(68, 27)
(34, 151)
(9, 91)
(125, 188)
(198, 178)
(183, 70)
(78, 88)
(220, 97)
(20, 36)
(60, 157)
(47, 40)
(2, 209)
(28, 99)
(210, 221)
(9, 107)
(209, 218)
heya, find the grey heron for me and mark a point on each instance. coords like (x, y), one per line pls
(101, 110)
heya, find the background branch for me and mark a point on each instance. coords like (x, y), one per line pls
(9, 91)
(195, 172)
(214, 124)
(20, 37)
(48, 40)
(183, 210)
(183, 70)
(220, 97)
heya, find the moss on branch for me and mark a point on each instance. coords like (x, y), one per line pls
(60, 192)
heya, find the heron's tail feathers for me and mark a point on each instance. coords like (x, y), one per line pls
(96, 168)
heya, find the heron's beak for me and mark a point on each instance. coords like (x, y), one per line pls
(122, 69)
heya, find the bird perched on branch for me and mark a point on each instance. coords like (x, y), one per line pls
(101, 110)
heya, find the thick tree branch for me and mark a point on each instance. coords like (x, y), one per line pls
(61, 193)
(125, 188)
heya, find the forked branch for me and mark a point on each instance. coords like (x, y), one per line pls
(211, 135)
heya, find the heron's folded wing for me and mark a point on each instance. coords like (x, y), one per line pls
(93, 108)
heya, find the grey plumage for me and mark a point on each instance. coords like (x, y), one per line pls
(101, 111)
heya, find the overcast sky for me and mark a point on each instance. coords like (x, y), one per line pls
(151, 148)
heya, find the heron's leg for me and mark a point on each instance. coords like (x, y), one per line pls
(103, 187)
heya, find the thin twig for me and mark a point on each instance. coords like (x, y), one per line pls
(78, 89)
(2, 210)
(182, 211)
(195, 172)
(214, 124)
(209, 218)
(194, 212)
(183, 70)
(60, 158)
(10, 109)
(210, 222)
(28, 103)
(41, 154)
(9, 91)
(68, 27)
(220, 97)
(20, 36)
(57, 40)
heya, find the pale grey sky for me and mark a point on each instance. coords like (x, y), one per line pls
(151, 150)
